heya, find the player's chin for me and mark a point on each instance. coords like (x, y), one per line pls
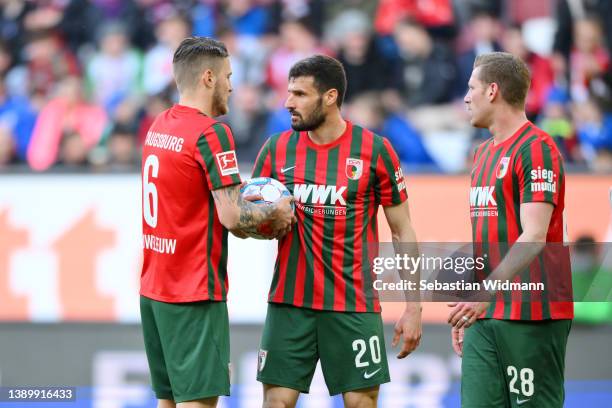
(224, 109)
(297, 124)
(475, 122)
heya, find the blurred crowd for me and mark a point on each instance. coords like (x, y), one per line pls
(82, 80)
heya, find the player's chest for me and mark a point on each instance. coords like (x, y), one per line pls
(337, 181)
(493, 183)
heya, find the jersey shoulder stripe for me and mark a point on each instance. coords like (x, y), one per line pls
(203, 124)
(273, 139)
(379, 144)
(223, 131)
(378, 140)
(367, 135)
(277, 138)
(265, 164)
(206, 130)
(481, 148)
(538, 136)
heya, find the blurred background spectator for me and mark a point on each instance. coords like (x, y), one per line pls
(249, 119)
(542, 74)
(407, 62)
(114, 70)
(66, 128)
(556, 121)
(424, 72)
(367, 110)
(437, 15)
(594, 132)
(567, 13)
(17, 118)
(297, 41)
(589, 58)
(367, 67)
(157, 70)
(482, 35)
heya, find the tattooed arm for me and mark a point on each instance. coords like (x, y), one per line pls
(242, 217)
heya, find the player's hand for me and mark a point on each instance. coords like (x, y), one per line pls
(457, 340)
(464, 314)
(283, 218)
(252, 197)
(409, 326)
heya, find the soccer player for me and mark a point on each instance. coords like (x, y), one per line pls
(191, 198)
(322, 305)
(514, 349)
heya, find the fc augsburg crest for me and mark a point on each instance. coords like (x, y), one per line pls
(502, 169)
(261, 361)
(354, 168)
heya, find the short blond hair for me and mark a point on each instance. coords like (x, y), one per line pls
(509, 72)
(193, 56)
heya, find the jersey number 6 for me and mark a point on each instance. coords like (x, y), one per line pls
(149, 192)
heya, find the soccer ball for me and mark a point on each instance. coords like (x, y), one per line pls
(270, 190)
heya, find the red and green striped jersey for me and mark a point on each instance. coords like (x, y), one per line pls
(527, 167)
(186, 155)
(325, 262)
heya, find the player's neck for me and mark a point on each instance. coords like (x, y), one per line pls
(333, 127)
(505, 124)
(204, 105)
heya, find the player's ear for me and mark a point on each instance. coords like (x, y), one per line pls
(492, 91)
(208, 78)
(330, 97)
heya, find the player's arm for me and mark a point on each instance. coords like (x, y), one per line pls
(404, 240)
(262, 168)
(215, 152)
(242, 217)
(391, 194)
(536, 164)
(405, 243)
(535, 218)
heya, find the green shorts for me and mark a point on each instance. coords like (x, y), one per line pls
(514, 364)
(351, 347)
(187, 347)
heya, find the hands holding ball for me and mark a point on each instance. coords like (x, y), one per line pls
(271, 192)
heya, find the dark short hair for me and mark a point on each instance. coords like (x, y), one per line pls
(509, 72)
(327, 72)
(193, 56)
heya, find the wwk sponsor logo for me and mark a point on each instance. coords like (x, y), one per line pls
(482, 202)
(482, 197)
(320, 200)
(319, 194)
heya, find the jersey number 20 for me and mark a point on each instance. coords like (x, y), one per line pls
(360, 346)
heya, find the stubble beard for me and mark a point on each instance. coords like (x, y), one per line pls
(219, 105)
(313, 121)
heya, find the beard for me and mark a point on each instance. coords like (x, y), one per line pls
(219, 106)
(312, 121)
